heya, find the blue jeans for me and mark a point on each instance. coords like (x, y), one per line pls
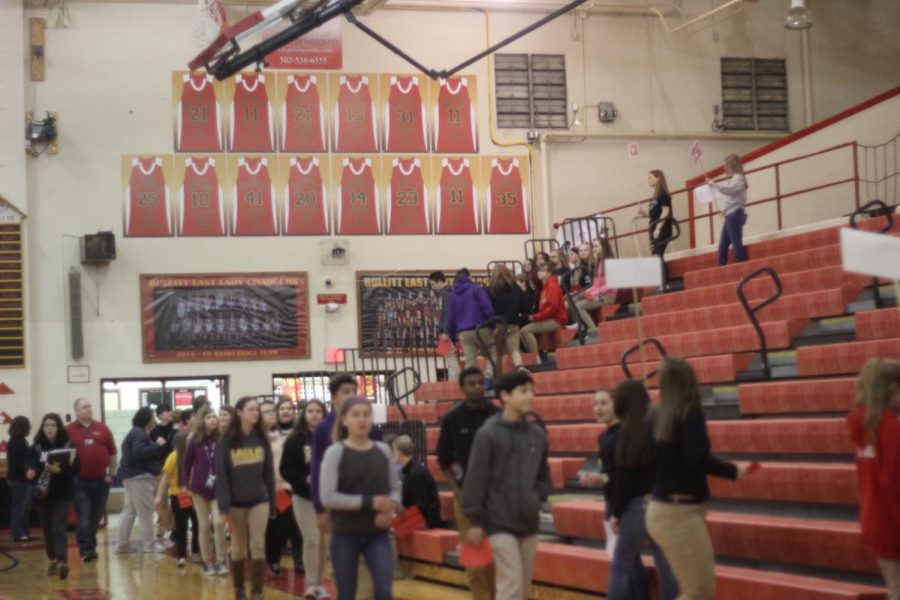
(629, 579)
(20, 506)
(90, 502)
(733, 235)
(376, 548)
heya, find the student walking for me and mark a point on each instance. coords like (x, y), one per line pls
(661, 217)
(360, 488)
(245, 491)
(20, 488)
(283, 527)
(733, 209)
(97, 463)
(676, 513)
(295, 468)
(635, 469)
(507, 302)
(458, 429)
(170, 490)
(470, 306)
(550, 315)
(874, 425)
(605, 478)
(437, 281)
(141, 465)
(201, 458)
(53, 455)
(507, 483)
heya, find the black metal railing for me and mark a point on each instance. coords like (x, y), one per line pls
(374, 370)
(875, 208)
(623, 361)
(401, 385)
(514, 266)
(752, 310)
(535, 246)
(587, 229)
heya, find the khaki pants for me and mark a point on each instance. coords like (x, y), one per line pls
(209, 510)
(528, 332)
(680, 531)
(514, 561)
(249, 529)
(510, 346)
(481, 581)
(891, 571)
(584, 305)
(470, 346)
(451, 363)
(140, 497)
(313, 541)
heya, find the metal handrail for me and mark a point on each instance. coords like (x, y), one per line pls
(870, 209)
(393, 397)
(536, 245)
(491, 324)
(752, 310)
(592, 224)
(623, 361)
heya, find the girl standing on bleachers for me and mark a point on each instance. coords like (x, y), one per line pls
(676, 515)
(605, 478)
(660, 214)
(506, 300)
(634, 456)
(735, 192)
(874, 427)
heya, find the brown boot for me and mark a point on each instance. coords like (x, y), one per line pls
(237, 577)
(257, 578)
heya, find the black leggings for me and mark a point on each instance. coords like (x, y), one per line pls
(54, 519)
(660, 251)
(182, 516)
(281, 529)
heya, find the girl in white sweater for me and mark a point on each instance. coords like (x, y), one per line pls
(735, 193)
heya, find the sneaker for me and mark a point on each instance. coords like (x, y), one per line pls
(275, 568)
(25, 539)
(92, 555)
(155, 548)
(63, 571)
(572, 326)
(209, 569)
(86, 557)
(310, 593)
(125, 549)
(181, 562)
(221, 568)
(196, 559)
(322, 593)
(52, 568)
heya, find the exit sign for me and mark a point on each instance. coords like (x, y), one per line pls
(331, 298)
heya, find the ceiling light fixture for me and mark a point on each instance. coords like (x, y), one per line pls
(798, 16)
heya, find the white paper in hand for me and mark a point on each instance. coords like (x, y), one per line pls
(379, 413)
(704, 194)
(624, 273)
(870, 253)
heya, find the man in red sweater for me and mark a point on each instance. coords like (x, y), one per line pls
(551, 313)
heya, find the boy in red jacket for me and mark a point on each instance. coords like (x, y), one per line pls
(551, 313)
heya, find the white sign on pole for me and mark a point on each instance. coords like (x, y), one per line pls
(704, 194)
(870, 253)
(624, 273)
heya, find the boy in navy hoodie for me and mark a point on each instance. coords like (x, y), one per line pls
(470, 306)
(508, 481)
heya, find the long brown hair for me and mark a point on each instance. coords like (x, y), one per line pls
(680, 393)
(631, 403)
(874, 388)
(501, 274)
(734, 165)
(198, 430)
(234, 432)
(302, 426)
(662, 187)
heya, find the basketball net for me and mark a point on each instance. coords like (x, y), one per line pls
(209, 21)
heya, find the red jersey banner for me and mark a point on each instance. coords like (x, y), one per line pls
(253, 200)
(302, 114)
(148, 207)
(201, 207)
(358, 208)
(354, 114)
(251, 119)
(198, 113)
(407, 198)
(507, 204)
(405, 125)
(456, 207)
(455, 124)
(305, 199)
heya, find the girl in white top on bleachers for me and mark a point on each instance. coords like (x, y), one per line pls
(733, 209)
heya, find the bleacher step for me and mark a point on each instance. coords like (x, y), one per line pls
(866, 300)
(827, 331)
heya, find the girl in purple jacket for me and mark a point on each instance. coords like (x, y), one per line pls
(200, 472)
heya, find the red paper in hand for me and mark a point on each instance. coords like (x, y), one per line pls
(282, 500)
(754, 467)
(185, 500)
(473, 557)
(443, 347)
(408, 521)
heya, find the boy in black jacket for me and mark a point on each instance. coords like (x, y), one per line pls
(507, 482)
(419, 488)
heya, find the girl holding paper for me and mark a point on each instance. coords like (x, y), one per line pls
(53, 453)
(735, 193)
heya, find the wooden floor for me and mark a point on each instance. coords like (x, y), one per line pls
(23, 576)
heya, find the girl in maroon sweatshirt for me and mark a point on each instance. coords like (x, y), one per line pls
(875, 429)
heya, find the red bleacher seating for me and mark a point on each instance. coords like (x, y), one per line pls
(825, 483)
(561, 469)
(780, 436)
(802, 260)
(429, 545)
(800, 396)
(840, 359)
(878, 324)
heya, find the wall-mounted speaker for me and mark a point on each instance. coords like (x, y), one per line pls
(76, 330)
(98, 248)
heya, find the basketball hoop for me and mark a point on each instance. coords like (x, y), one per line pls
(209, 22)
